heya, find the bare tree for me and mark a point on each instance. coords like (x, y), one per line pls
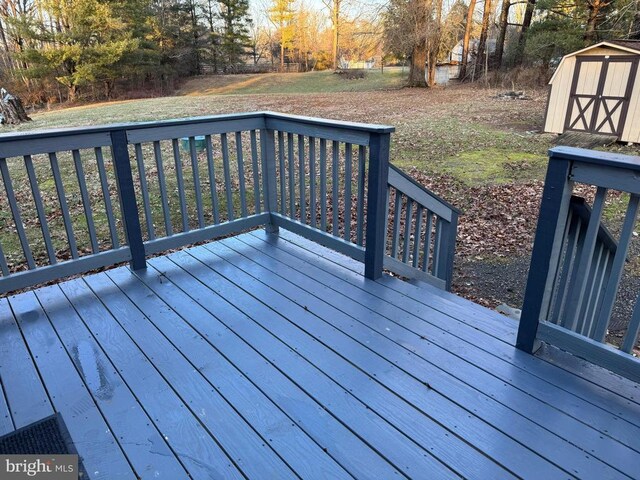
(334, 7)
(482, 43)
(467, 39)
(502, 32)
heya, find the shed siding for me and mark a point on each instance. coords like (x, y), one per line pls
(559, 98)
(631, 130)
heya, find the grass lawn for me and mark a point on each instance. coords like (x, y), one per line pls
(484, 154)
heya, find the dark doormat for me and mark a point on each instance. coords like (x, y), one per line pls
(48, 436)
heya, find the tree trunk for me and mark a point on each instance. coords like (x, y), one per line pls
(634, 29)
(467, 38)
(434, 44)
(502, 32)
(336, 25)
(416, 70)
(595, 8)
(12, 109)
(526, 23)
(482, 43)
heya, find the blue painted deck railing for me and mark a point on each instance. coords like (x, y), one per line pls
(85, 198)
(577, 265)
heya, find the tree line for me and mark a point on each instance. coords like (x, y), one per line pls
(65, 50)
(496, 36)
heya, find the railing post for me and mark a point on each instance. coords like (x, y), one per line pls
(547, 249)
(447, 250)
(269, 186)
(124, 179)
(376, 204)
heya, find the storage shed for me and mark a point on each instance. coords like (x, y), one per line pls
(596, 90)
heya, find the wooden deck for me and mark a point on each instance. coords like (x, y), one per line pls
(268, 357)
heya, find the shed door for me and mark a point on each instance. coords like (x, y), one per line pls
(600, 94)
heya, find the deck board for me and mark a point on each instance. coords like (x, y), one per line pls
(298, 450)
(93, 436)
(460, 381)
(470, 333)
(26, 396)
(321, 349)
(263, 356)
(189, 438)
(111, 394)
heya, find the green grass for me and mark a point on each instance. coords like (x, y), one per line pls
(471, 152)
(293, 83)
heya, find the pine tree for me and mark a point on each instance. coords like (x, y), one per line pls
(235, 37)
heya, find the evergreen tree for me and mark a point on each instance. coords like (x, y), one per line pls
(235, 37)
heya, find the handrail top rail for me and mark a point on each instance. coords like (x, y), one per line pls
(418, 185)
(595, 157)
(261, 115)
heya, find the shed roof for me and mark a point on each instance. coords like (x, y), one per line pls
(631, 46)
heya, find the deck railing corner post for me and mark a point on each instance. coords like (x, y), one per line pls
(126, 191)
(379, 145)
(268, 157)
(547, 250)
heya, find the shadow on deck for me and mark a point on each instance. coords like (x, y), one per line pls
(269, 356)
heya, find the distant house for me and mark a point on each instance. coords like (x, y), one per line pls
(450, 69)
(596, 90)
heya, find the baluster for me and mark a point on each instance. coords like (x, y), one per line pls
(603, 275)
(613, 283)
(180, 179)
(283, 178)
(146, 203)
(576, 295)
(86, 202)
(323, 185)
(396, 224)
(417, 233)
(565, 320)
(212, 180)
(361, 184)
(301, 180)
(407, 230)
(583, 325)
(15, 212)
(42, 217)
(292, 177)
(437, 244)
(4, 268)
(596, 290)
(195, 170)
(427, 243)
(115, 243)
(62, 199)
(227, 175)
(312, 181)
(633, 329)
(157, 153)
(347, 191)
(571, 235)
(335, 188)
(256, 176)
(241, 181)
